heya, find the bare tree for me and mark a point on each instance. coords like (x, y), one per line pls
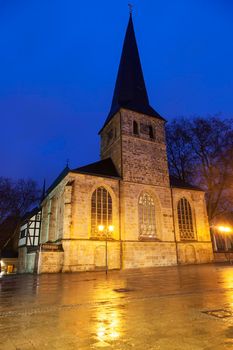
(16, 198)
(180, 156)
(200, 150)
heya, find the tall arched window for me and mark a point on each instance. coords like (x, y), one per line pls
(146, 211)
(185, 220)
(101, 212)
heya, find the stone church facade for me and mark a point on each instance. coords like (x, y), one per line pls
(123, 211)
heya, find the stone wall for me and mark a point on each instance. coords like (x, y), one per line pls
(31, 262)
(22, 259)
(111, 142)
(26, 261)
(196, 200)
(49, 262)
(194, 253)
(139, 158)
(83, 188)
(89, 255)
(130, 193)
(223, 257)
(72, 214)
(148, 254)
(200, 249)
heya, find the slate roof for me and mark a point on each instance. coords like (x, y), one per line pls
(177, 183)
(104, 168)
(31, 213)
(60, 177)
(130, 89)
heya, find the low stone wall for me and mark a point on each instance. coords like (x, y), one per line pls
(49, 262)
(26, 261)
(148, 254)
(223, 257)
(194, 252)
(22, 260)
(31, 260)
(89, 255)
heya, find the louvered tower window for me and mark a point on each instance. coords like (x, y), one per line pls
(101, 212)
(185, 220)
(146, 208)
(135, 128)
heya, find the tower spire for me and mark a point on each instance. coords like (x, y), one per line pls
(130, 89)
(130, 9)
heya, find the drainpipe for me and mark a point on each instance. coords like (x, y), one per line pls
(119, 210)
(174, 228)
(39, 258)
(119, 196)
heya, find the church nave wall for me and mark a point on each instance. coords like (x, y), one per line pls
(130, 194)
(84, 186)
(89, 255)
(196, 199)
(148, 254)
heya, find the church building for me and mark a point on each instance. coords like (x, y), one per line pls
(123, 211)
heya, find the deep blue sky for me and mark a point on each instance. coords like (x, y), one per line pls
(59, 60)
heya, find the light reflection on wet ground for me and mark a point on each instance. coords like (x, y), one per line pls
(160, 308)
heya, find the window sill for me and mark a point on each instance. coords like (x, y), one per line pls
(188, 240)
(96, 238)
(149, 239)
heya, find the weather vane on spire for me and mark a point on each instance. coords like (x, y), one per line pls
(130, 8)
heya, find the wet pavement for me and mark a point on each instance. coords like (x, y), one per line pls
(168, 308)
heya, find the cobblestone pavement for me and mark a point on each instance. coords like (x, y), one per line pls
(170, 308)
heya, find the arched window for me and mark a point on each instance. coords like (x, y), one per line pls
(185, 220)
(146, 211)
(101, 212)
(135, 128)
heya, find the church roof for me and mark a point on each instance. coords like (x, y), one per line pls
(104, 168)
(30, 214)
(130, 89)
(60, 177)
(177, 183)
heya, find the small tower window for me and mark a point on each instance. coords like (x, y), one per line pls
(151, 132)
(135, 128)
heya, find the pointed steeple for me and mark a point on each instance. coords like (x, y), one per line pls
(130, 89)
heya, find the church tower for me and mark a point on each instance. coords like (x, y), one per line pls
(133, 134)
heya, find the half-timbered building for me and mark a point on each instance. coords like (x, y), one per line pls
(29, 236)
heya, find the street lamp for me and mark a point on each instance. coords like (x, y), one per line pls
(225, 230)
(105, 232)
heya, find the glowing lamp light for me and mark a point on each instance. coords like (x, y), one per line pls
(101, 228)
(224, 229)
(111, 228)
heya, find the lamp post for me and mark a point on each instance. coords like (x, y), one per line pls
(106, 231)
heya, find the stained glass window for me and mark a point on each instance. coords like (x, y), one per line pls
(101, 212)
(146, 208)
(185, 220)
